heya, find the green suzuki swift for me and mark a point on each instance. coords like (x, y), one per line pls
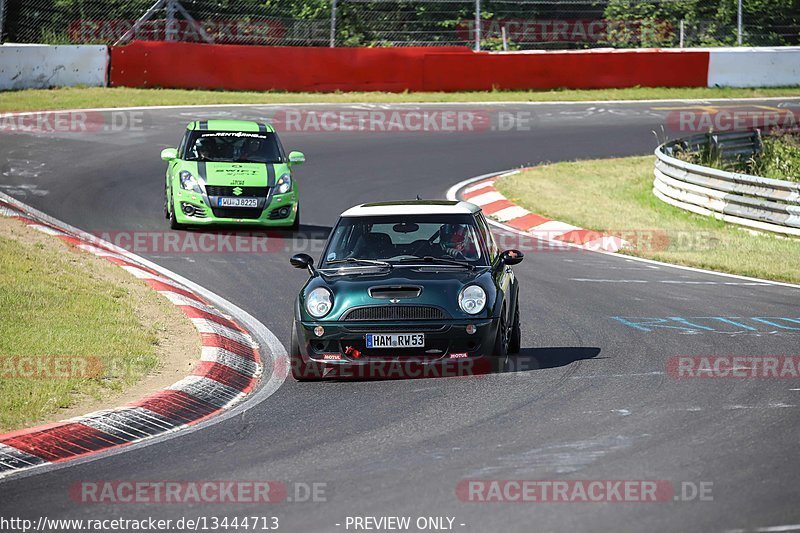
(230, 172)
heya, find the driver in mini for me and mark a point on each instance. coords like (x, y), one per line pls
(458, 242)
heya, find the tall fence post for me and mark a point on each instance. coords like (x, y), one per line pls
(2, 20)
(333, 24)
(739, 23)
(172, 25)
(683, 33)
(477, 25)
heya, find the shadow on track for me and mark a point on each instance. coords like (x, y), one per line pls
(551, 357)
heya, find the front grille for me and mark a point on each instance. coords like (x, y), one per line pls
(225, 190)
(237, 212)
(396, 312)
(417, 328)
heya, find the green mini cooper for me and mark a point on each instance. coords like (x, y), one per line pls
(230, 172)
(419, 282)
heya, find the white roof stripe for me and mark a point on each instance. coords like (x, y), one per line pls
(366, 210)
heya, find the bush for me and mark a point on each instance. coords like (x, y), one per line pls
(779, 158)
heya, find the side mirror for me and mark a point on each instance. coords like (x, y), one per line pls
(296, 158)
(512, 257)
(168, 154)
(303, 261)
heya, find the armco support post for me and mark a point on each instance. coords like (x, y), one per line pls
(2, 20)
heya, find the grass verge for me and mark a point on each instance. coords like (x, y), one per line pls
(90, 97)
(615, 196)
(78, 332)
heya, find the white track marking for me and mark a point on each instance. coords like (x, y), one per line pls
(213, 392)
(372, 105)
(510, 213)
(213, 354)
(552, 228)
(479, 186)
(204, 325)
(47, 230)
(486, 198)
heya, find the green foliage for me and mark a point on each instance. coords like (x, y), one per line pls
(707, 23)
(630, 23)
(779, 158)
(496, 44)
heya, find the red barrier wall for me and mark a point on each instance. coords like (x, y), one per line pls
(573, 70)
(201, 66)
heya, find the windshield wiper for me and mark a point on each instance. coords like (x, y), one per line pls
(357, 261)
(436, 260)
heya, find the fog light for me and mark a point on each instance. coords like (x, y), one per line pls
(188, 209)
(471, 329)
(319, 331)
(284, 211)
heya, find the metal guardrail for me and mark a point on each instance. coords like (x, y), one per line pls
(760, 203)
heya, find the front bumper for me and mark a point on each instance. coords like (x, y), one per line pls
(203, 214)
(344, 343)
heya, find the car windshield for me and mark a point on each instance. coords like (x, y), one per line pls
(233, 146)
(440, 239)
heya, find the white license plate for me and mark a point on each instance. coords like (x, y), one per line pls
(237, 202)
(395, 340)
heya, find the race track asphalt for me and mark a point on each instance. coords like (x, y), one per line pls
(589, 397)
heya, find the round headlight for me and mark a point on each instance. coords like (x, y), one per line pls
(284, 184)
(319, 302)
(472, 300)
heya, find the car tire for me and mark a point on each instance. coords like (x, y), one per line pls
(296, 223)
(302, 371)
(173, 221)
(166, 204)
(501, 340)
(515, 338)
